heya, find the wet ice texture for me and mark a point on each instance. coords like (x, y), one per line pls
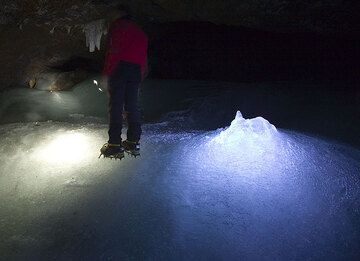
(29, 105)
(248, 192)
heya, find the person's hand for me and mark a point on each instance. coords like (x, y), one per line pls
(104, 83)
(125, 115)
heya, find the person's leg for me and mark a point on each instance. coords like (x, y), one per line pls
(133, 111)
(116, 103)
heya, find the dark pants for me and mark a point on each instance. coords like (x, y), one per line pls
(123, 95)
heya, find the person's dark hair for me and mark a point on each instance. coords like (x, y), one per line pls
(124, 8)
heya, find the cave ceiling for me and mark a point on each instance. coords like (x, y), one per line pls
(274, 15)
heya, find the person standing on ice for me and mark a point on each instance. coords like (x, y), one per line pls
(124, 69)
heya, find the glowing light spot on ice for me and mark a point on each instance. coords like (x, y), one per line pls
(66, 148)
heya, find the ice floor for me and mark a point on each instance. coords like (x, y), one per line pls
(247, 192)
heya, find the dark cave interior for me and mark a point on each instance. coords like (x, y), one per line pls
(281, 181)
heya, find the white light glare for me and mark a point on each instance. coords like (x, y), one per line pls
(66, 148)
(96, 82)
(100, 89)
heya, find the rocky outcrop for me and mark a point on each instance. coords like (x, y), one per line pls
(37, 36)
(57, 80)
(31, 51)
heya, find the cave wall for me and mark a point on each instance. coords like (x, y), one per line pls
(31, 50)
(40, 35)
(189, 39)
(279, 15)
(202, 50)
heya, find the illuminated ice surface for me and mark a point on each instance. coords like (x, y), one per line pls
(248, 192)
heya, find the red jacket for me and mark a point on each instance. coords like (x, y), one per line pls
(126, 42)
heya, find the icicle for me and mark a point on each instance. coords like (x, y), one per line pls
(68, 29)
(93, 32)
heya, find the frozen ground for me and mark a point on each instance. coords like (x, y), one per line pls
(247, 192)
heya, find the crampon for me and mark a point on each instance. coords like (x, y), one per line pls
(131, 148)
(112, 151)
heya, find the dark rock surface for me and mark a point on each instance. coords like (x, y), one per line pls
(39, 35)
(33, 50)
(279, 15)
(221, 40)
(201, 50)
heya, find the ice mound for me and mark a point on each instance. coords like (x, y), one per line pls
(242, 130)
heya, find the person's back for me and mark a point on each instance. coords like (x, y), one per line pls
(126, 42)
(125, 65)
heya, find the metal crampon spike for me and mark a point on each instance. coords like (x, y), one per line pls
(113, 157)
(132, 155)
(117, 157)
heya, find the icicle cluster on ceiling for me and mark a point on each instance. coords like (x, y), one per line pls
(94, 32)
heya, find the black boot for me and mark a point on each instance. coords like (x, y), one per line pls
(132, 148)
(114, 151)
